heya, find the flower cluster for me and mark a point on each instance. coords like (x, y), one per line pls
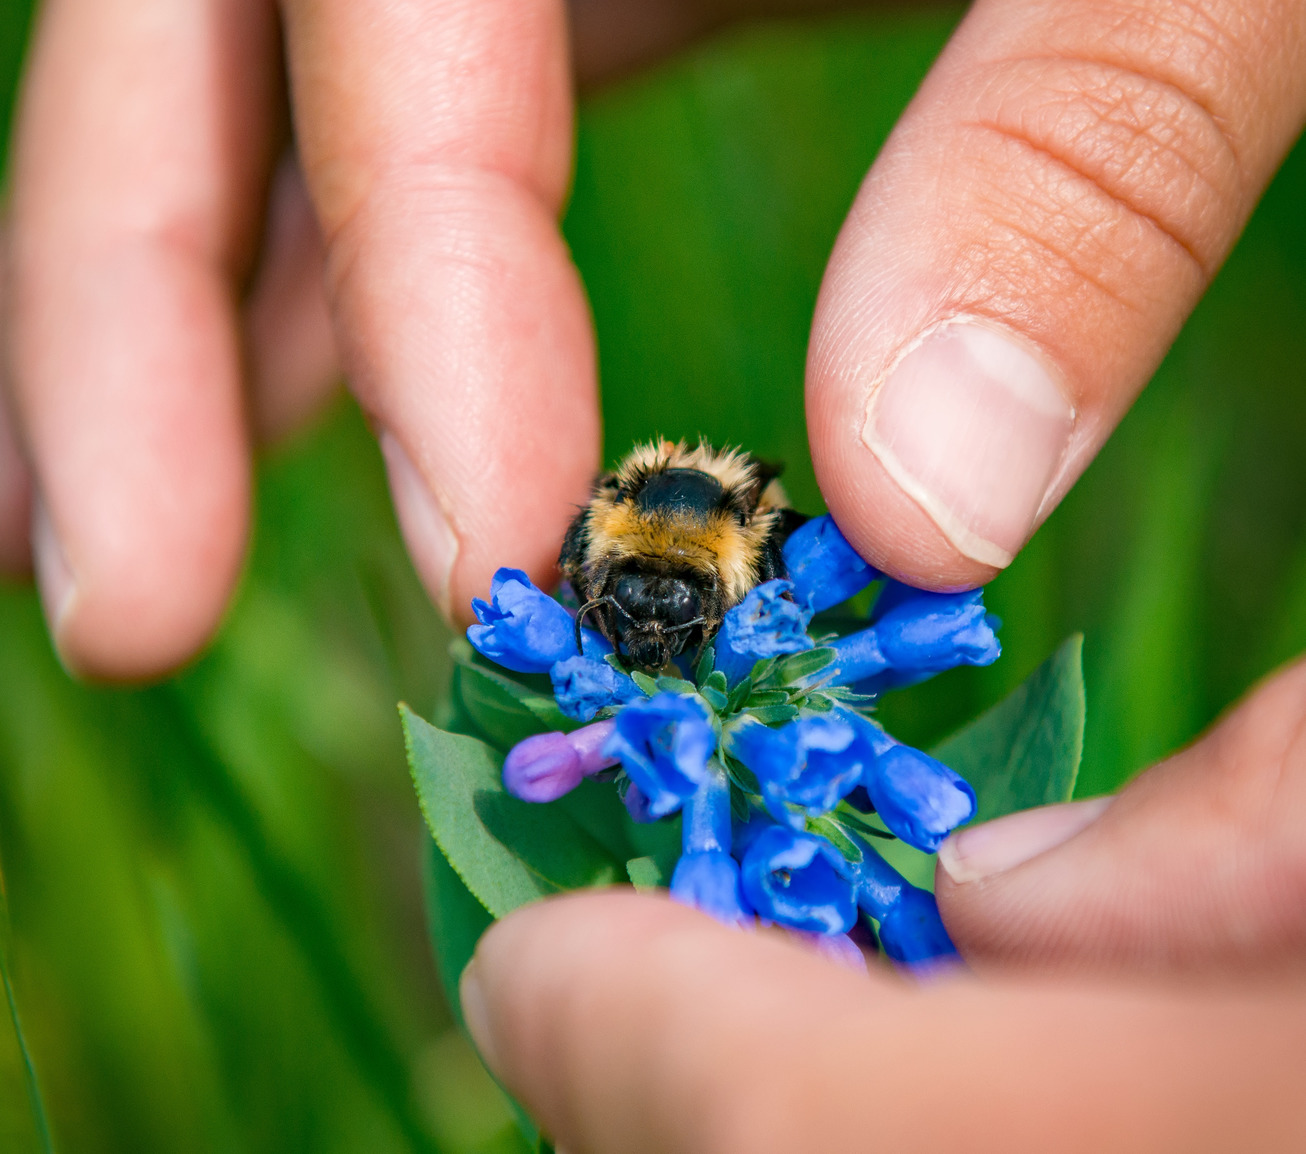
(766, 747)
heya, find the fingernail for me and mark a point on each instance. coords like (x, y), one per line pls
(476, 1015)
(972, 426)
(984, 850)
(427, 530)
(54, 576)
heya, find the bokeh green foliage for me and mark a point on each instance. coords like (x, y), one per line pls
(214, 884)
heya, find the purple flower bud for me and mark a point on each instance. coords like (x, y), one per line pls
(524, 629)
(915, 635)
(664, 744)
(766, 623)
(920, 799)
(811, 762)
(708, 880)
(583, 686)
(798, 880)
(824, 568)
(547, 765)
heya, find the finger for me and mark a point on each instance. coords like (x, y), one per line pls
(293, 368)
(1026, 247)
(140, 161)
(1199, 864)
(436, 144)
(629, 1024)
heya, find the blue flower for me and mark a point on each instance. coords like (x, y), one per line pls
(913, 934)
(524, 629)
(915, 635)
(799, 880)
(920, 799)
(547, 765)
(811, 762)
(708, 880)
(766, 623)
(664, 744)
(911, 930)
(583, 686)
(824, 568)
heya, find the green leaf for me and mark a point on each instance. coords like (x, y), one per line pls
(675, 685)
(1026, 750)
(718, 701)
(645, 873)
(799, 666)
(716, 680)
(507, 851)
(456, 921)
(775, 714)
(504, 711)
(648, 685)
(703, 671)
(767, 697)
(739, 695)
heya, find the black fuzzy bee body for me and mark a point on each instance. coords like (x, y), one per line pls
(671, 540)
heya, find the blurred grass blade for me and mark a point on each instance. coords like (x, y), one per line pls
(40, 1120)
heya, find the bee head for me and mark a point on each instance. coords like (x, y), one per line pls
(656, 615)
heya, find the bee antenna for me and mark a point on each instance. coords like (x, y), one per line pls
(687, 625)
(581, 615)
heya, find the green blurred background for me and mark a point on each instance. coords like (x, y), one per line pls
(216, 938)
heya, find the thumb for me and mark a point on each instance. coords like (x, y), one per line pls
(1029, 242)
(1199, 864)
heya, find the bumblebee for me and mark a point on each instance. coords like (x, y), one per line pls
(672, 539)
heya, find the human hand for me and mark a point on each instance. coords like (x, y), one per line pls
(625, 1023)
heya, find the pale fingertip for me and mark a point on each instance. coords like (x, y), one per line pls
(972, 426)
(983, 851)
(427, 527)
(476, 1015)
(54, 576)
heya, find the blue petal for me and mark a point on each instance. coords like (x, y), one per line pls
(824, 568)
(915, 635)
(709, 881)
(521, 628)
(911, 930)
(766, 623)
(913, 934)
(583, 686)
(920, 799)
(799, 880)
(811, 762)
(664, 744)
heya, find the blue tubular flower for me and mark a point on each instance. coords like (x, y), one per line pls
(583, 686)
(524, 629)
(766, 623)
(920, 799)
(706, 876)
(912, 933)
(798, 880)
(916, 635)
(811, 762)
(664, 744)
(824, 568)
(547, 765)
(911, 930)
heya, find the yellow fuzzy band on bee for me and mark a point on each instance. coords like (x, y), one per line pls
(716, 546)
